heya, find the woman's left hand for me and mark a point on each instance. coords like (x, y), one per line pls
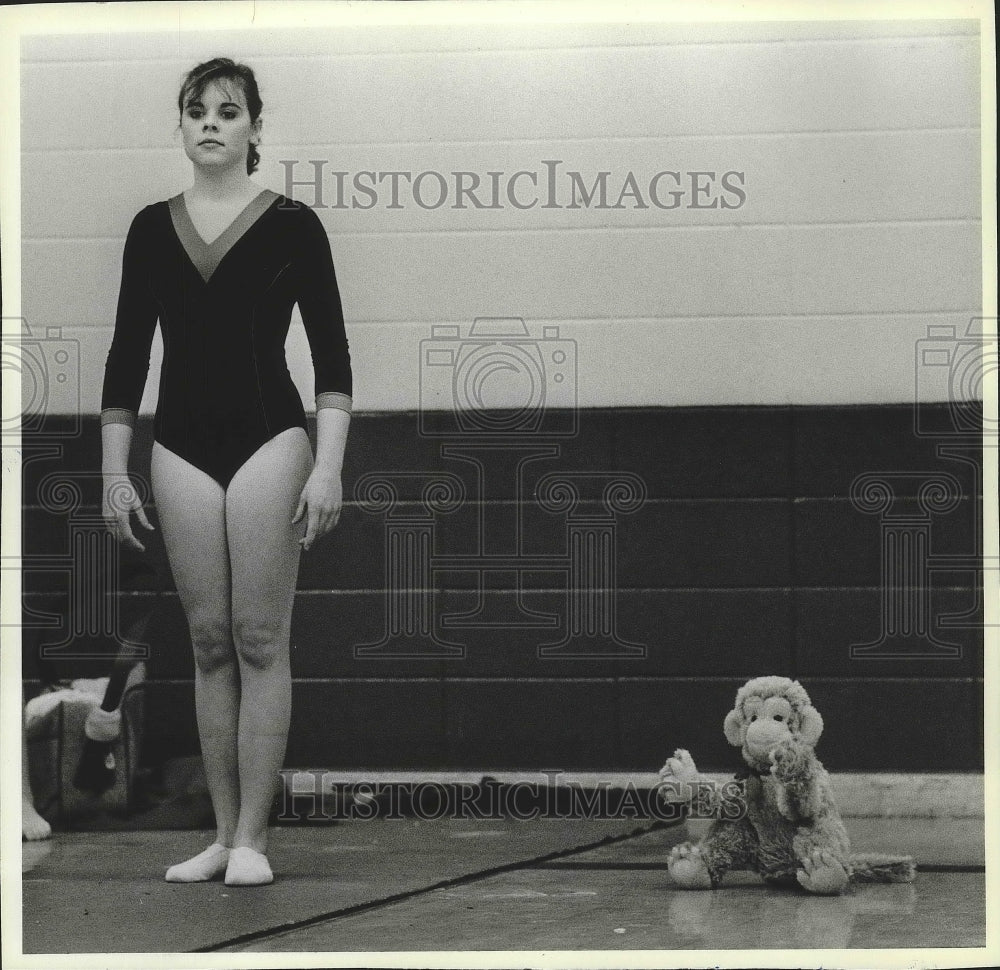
(321, 500)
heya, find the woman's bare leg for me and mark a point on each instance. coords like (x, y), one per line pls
(264, 558)
(33, 826)
(191, 508)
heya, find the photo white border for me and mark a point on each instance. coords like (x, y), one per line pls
(58, 18)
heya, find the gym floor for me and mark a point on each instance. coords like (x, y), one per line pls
(406, 884)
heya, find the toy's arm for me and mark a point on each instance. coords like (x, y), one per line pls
(794, 765)
(679, 777)
(682, 783)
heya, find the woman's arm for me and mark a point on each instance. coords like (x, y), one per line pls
(125, 373)
(332, 424)
(318, 298)
(319, 304)
(116, 443)
(323, 494)
(127, 364)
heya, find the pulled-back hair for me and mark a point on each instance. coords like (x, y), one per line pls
(224, 69)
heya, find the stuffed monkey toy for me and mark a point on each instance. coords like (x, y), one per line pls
(778, 818)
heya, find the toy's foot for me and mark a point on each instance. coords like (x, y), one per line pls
(821, 873)
(784, 880)
(688, 868)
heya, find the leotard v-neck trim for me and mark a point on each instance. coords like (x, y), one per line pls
(206, 257)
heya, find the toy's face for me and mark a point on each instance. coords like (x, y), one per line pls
(766, 723)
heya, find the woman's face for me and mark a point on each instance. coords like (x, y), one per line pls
(217, 127)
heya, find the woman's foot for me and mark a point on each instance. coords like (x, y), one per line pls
(204, 866)
(33, 826)
(248, 867)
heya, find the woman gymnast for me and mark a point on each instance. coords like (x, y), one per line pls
(237, 490)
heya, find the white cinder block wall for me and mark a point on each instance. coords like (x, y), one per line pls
(858, 145)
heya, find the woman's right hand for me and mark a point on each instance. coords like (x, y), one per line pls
(119, 500)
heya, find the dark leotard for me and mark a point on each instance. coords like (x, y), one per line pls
(224, 309)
